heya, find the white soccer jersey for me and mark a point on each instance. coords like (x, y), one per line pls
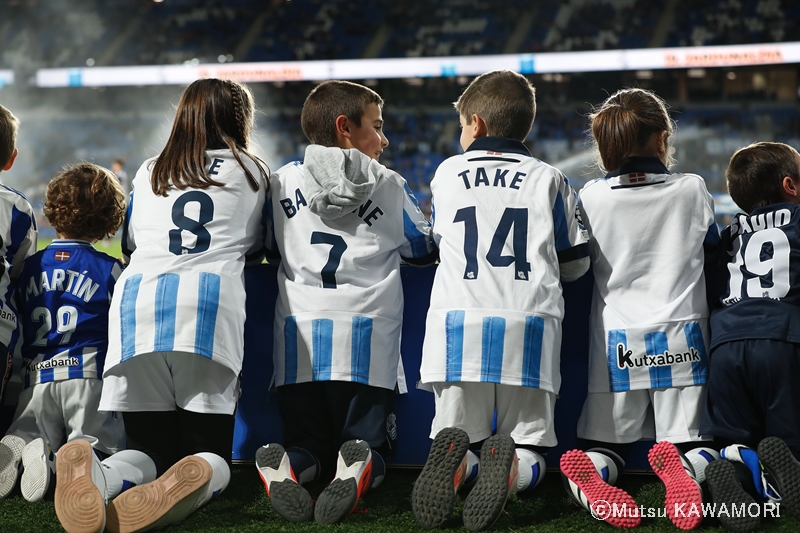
(17, 243)
(340, 303)
(503, 221)
(184, 287)
(649, 318)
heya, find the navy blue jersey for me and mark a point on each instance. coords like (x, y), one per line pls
(64, 294)
(760, 277)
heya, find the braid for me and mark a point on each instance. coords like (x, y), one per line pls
(238, 107)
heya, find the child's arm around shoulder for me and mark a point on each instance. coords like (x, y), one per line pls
(419, 248)
(572, 237)
(23, 233)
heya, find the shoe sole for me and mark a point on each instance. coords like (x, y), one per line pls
(488, 497)
(10, 455)
(79, 505)
(35, 478)
(779, 461)
(147, 506)
(434, 494)
(684, 499)
(579, 470)
(289, 499)
(339, 498)
(725, 488)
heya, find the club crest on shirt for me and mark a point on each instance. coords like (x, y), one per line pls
(626, 360)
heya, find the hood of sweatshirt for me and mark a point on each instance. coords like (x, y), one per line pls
(337, 181)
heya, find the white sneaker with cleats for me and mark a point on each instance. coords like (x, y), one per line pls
(353, 477)
(11, 448)
(38, 466)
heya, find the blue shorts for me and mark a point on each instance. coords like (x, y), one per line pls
(754, 392)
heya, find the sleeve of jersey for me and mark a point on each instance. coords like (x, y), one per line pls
(268, 225)
(571, 237)
(128, 244)
(417, 247)
(23, 237)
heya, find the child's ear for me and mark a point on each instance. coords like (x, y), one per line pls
(342, 127)
(478, 127)
(11, 161)
(791, 189)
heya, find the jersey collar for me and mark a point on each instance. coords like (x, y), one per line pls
(70, 242)
(648, 165)
(504, 145)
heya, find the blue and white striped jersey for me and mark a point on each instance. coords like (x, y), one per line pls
(17, 242)
(340, 304)
(503, 221)
(64, 294)
(649, 318)
(183, 289)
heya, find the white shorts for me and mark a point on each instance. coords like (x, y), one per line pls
(61, 411)
(164, 381)
(525, 413)
(671, 414)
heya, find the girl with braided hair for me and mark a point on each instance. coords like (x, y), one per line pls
(176, 325)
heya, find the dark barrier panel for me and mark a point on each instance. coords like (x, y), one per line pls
(257, 419)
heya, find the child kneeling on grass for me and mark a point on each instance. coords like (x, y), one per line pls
(753, 406)
(508, 229)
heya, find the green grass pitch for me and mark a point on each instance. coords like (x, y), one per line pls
(244, 507)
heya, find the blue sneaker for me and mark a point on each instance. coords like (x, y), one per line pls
(738, 453)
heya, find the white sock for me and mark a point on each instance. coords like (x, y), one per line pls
(604, 464)
(531, 469)
(473, 468)
(127, 469)
(219, 479)
(700, 459)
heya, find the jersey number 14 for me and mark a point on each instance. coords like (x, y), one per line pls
(513, 218)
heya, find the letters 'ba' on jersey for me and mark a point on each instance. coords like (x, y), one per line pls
(183, 289)
(503, 222)
(340, 303)
(17, 242)
(649, 317)
(760, 273)
(64, 293)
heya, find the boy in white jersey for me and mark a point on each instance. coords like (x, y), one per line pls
(63, 294)
(18, 238)
(508, 229)
(342, 223)
(651, 230)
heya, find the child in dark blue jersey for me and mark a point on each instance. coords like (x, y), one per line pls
(753, 393)
(63, 295)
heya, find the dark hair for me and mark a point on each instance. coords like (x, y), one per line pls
(329, 100)
(626, 121)
(119, 161)
(85, 200)
(212, 114)
(505, 100)
(9, 124)
(755, 174)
